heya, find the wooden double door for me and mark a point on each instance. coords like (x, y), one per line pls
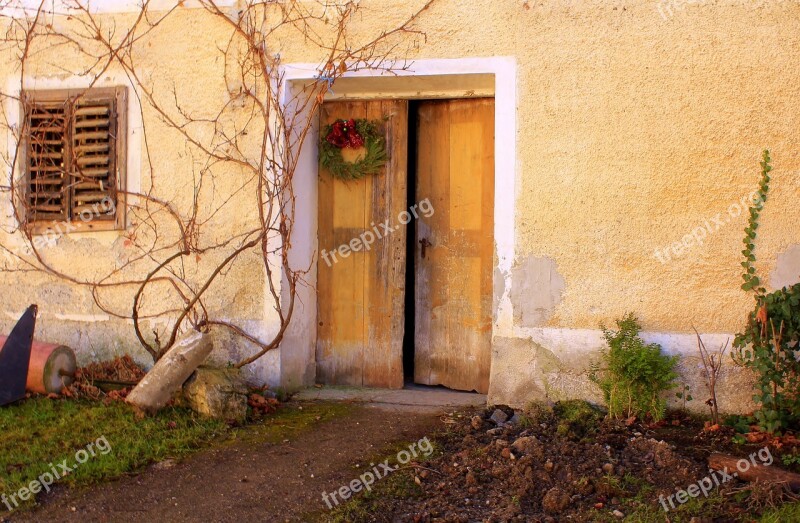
(449, 219)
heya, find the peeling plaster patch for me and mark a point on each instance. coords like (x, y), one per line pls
(524, 371)
(536, 290)
(787, 268)
(512, 371)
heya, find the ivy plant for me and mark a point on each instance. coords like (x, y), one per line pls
(769, 342)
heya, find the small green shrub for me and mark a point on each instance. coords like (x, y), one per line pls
(634, 374)
(768, 343)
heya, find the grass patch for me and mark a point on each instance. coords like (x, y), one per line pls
(643, 511)
(40, 431)
(788, 512)
(398, 485)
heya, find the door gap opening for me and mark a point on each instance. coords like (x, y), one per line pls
(411, 242)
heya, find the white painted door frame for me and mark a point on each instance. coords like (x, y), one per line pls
(425, 79)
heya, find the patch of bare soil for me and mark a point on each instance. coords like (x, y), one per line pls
(250, 480)
(572, 465)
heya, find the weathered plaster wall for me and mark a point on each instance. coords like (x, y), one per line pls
(639, 131)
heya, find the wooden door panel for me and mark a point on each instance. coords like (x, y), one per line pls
(455, 165)
(360, 297)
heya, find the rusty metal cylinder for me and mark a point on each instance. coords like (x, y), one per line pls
(52, 367)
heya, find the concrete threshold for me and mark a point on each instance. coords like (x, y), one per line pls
(413, 397)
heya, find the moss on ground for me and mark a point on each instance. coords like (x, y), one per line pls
(578, 419)
(290, 420)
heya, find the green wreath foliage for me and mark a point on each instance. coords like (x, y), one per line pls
(375, 157)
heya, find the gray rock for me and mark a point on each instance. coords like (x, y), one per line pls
(498, 416)
(217, 393)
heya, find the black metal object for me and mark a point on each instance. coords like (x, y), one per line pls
(15, 357)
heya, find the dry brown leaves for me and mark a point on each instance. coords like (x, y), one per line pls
(107, 380)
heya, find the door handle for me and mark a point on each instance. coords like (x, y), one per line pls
(425, 244)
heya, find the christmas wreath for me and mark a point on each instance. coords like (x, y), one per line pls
(352, 134)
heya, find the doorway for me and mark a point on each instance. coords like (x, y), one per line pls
(417, 306)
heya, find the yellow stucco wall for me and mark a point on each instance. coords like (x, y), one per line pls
(637, 123)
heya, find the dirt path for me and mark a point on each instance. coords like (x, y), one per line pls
(253, 481)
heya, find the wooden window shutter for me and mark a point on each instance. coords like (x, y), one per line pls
(94, 162)
(86, 183)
